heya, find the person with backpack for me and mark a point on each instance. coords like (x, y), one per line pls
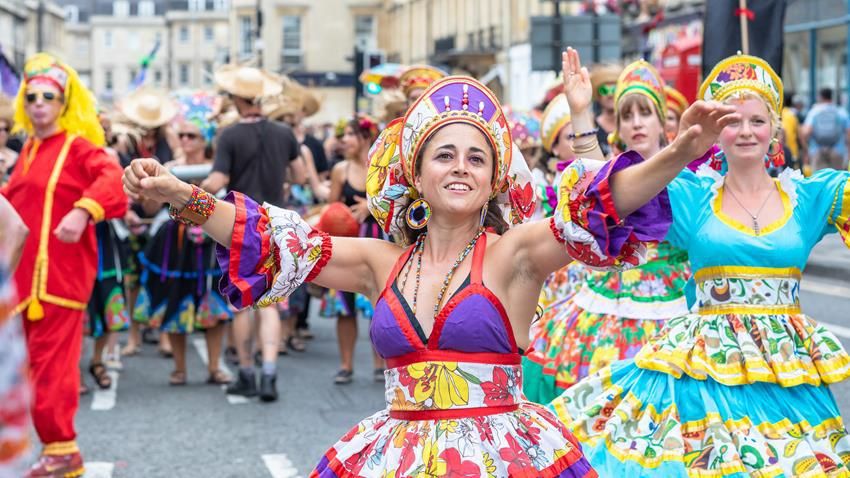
(826, 128)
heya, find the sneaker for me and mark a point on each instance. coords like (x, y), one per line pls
(268, 387)
(245, 385)
(344, 377)
(57, 466)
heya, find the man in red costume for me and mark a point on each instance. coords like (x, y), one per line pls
(64, 183)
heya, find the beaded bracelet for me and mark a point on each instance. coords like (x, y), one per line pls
(196, 211)
(592, 132)
(585, 148)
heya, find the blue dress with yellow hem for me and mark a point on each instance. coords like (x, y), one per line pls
(738, 387)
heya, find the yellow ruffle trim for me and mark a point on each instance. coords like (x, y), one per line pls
(771, 431)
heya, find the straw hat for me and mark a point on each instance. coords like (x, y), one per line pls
(277, 106)
(148, 107)
(310, 104)
(247, 82)
(601, 74)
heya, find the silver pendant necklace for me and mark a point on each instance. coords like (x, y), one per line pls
(754, 217)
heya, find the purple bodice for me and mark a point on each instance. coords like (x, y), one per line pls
(472, 321)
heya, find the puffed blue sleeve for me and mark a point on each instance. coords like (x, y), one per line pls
(689, 195)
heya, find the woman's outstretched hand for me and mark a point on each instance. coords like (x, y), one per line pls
(147, 179)
(577, 85)
(700, 126)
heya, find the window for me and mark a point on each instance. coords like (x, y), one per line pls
(147, 8)
(208, 73)
(291, 55)
(133, 40)
(72, 13)
(209, 34)
(184, 34)
(220, 5)
(157, 77)
(364, 26)
(157, 38)
(107, 80)
(83, 46)
(246, 45)
(121, 8)
(133, 73)
(196, 5)
(107, 38)
(184, 74)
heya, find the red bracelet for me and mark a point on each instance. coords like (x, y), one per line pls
(196, 212)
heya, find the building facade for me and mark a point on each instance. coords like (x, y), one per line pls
(331, 28)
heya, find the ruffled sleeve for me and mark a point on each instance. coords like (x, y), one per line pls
(824, 204)
(272, 252)
(587, 222)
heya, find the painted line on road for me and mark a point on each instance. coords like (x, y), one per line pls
(105, 399)
(99, 469)
(279, 466)
(201, 347)
(826, 289)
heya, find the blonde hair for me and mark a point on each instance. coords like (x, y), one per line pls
(79, 112)
(742, 95)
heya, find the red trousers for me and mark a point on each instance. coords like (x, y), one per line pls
(54, 344)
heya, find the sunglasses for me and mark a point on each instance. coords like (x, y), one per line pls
(188, 135)
(606, 90)
(47, 96)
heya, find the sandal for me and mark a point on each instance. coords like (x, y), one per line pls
(101, 375)
(305, 334)
(219, 377)
(130, 350)
(344, 377)
(282, 349)
(166, 353)
(177, 378)
(378, 375)
(149, 336)
(295, 344)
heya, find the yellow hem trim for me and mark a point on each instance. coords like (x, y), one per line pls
(751, 309)
(717, 207)
(93, 207)
(696, 365)
(61, 448)
(722, 272)
(768, 429)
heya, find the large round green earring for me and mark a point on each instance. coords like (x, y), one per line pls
(418, 214)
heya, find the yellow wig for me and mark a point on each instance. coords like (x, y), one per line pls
(79, 114)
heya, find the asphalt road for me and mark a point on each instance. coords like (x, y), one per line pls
(147, 428)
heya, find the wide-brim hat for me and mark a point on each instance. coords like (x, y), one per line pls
(148, 107)
(247, 82)
(603, 73)
(277, 106)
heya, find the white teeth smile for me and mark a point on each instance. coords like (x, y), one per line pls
(458, 187)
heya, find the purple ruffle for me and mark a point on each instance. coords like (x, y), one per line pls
(695, 164)
(648, 224)
(244, 279)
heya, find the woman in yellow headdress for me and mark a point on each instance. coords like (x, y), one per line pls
(740, 386)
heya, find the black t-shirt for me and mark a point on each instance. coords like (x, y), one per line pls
(318, 150)
(256, 156)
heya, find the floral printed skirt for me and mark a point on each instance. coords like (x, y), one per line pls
(726, 395)
(456, 419)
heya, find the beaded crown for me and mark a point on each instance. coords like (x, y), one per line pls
(743, 72)
(555, 117)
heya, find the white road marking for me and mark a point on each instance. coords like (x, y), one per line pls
(105, 399)
(279, 466)
(818, 287)
(201, 347)
(99, 469)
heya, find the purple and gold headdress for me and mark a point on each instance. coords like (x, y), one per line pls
(456, 99)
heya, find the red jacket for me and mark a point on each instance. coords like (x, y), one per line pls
(53, 176)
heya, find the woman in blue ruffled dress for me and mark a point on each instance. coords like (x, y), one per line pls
(738, 387)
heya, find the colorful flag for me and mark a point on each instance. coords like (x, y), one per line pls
(139, 80)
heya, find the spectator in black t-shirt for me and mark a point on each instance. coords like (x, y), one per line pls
(254, 157)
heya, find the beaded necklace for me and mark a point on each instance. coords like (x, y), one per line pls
(419, 250)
